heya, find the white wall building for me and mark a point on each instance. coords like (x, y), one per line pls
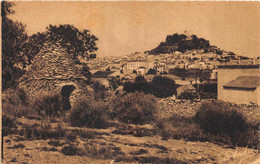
(239, 83)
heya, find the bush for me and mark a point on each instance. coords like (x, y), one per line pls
(98, 151)
(207, 90)
(48, 105)
(43, 131)
(19, 110)
(8, 124)
(221, 120)
(218, 117)
(15, 104)
(89, 113)
(178, 127)
(188, 95)
(15, 96)
(135, 108)
(140, 85)
(99, 90)
(71, 150)
(159, 87)
(163, 86)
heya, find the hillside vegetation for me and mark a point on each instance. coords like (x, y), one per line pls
(183, 43)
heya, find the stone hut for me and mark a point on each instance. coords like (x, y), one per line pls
(53, 71)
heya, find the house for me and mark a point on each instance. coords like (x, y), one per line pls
(135, 64)
(239, 83)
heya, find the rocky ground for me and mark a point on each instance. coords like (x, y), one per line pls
(122, 143)
(123, 149)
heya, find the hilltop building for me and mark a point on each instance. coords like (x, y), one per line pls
(239, 83)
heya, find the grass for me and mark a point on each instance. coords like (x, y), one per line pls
(135, 130)
(42, 131)
(97, 151)
(71, 150)
(93, 150)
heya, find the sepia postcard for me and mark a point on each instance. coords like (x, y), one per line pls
(169, 82)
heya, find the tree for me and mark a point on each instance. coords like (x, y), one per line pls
(32, 46)
(163, 86)
(99, 89)
(134, 71)
(13, 36)
(159, 87)
(152, 71)
(85, 72)
(93, 56)
(140, 84)
(114, 83)
(76, 42)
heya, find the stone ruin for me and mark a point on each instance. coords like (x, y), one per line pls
(53, 71)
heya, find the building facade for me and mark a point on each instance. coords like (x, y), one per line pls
(239, 83)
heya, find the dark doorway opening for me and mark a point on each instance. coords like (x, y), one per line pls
(66, 92)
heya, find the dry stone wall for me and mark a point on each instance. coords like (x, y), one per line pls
(53, 68)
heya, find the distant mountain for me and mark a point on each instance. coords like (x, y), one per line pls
(182, 43)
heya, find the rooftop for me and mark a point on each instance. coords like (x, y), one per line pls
(237, 66)
(244, 82)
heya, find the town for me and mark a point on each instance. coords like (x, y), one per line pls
(193, 67)
(130, 82)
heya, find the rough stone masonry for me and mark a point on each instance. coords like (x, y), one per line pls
(53, 71)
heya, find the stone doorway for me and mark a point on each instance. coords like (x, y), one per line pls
(66, 92)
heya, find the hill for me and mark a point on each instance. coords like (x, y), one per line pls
(183, 43)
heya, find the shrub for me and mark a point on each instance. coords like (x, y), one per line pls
(136, 131)
(8, 124)
(15, 96)
(15, 104)
(178, 127)
(163, 86)
(55, 143)
(19, 110)
(89, 113)
(140, 85)
(71, 150)
(136, 108)
(159, 87)
(221, 120)
(218, 117)
(99, 90)
(188, 95)
(207, 90)
(43, 131)
(48, 105)
(98, 151)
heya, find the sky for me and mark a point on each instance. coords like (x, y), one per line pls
(127, 27)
